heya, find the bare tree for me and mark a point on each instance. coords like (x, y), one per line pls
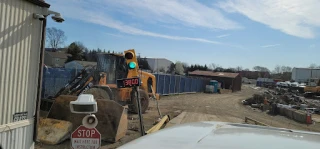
(260, 68)
(313, 66)
(213, 66)
(230, 70)
(286, 69)
(238, 68)
(55, 37)
(277, 69)
(247, 69)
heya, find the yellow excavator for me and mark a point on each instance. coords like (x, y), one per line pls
(313, 88)
(113, 101)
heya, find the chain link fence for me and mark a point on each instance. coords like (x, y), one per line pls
(56, 78)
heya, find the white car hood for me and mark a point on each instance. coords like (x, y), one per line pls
(211, 135)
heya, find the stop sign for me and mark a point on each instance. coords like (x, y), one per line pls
(85, 138)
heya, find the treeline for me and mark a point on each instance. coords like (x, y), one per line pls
(197, 67)
(92, 54)
(183, 68)
(79, 52)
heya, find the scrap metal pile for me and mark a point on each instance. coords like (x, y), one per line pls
(283, 97)
(284, 102)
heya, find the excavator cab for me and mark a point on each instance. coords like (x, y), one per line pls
(113, 65)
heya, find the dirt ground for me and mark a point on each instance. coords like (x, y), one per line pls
(226, 107)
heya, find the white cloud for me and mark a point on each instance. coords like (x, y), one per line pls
(109, 22)
(224, 35)
(95, 13)
(114, 35)
(269, 46)
(173, 27)
(183, 12)
(294, 17)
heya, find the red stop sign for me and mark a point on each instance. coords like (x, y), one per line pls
(85, 138)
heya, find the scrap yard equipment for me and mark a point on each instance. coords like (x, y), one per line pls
(313, 88)
(113, 101)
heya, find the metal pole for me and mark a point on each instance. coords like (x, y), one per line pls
(40, 75)
(139, 111)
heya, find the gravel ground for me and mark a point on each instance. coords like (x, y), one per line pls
(227, 107)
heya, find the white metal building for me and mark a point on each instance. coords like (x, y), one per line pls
(304, 74)
(20, 54)
(159, 63)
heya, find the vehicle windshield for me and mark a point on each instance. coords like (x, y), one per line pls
(103, 73)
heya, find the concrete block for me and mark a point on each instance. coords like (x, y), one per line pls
(300, 116)
(289, 113)
(52, 131)
(282, 111)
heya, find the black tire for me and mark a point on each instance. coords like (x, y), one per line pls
(144, 99)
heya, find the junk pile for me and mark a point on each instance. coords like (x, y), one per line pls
(255, 99)
(285, 103)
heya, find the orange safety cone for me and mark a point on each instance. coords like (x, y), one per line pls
(309, 120)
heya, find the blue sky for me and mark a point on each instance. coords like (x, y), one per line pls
(226, 32)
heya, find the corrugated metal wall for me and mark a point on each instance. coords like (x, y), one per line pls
(56, 78)
(20, 37)
(304, 74)
(18, 138)
(175, 84)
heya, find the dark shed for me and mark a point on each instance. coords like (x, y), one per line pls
(228, 80)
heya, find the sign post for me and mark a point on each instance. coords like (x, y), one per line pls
(136, 90)
(133, 83)
(85, 138)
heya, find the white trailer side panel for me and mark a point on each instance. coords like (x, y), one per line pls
(304, 74)
(20, 38)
